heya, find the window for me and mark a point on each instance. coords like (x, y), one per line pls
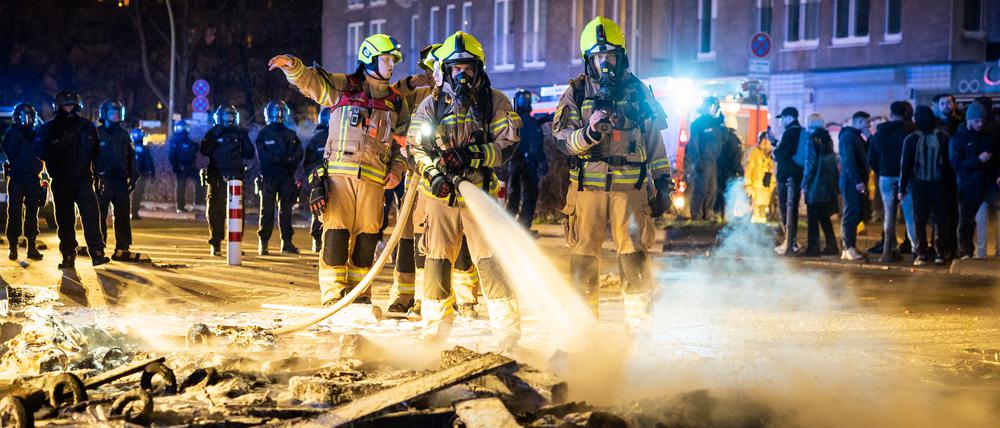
(706, 25)
(449, 20)
(972, 19)
(893, 20)
(355, 4)
(503, 57)
(353, 41)
(579, 18)
(432, 28)
(466, 16)
(374, 3)
(802, 23)
(764, 10)
(376, 26)
(850, 21)
(534, 33)
(414, 54)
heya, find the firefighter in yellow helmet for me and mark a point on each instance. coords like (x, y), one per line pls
(609, 123)
(368, 121)
(461, 133)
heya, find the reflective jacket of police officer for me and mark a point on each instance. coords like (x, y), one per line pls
(19, 145)
(69, 146)
(227, 145)
(278, 147)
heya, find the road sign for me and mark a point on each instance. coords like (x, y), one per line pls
(760, 45)
(759, 68)
(201, 88)
(199, 104)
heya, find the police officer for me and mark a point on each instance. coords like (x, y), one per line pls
(608, 122)
(461, 134)
(146, 168)
(22, 172)
(313, 159)
(227, 146)
(280, 153)
(182, 153)
(69, 147)
(528, 163)
(362, 157)
(116, 174)
(701, 160)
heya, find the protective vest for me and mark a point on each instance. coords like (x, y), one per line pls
(361, 132)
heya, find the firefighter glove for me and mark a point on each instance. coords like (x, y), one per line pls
(441, 186)
(660, 203)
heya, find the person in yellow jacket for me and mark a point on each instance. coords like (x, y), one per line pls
(368, 121)
(607, 122)
(759, 179)
(407, 291)
(462, 133)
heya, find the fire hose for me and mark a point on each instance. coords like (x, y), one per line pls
(413, 181)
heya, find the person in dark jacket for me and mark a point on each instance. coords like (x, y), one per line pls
(145, 167)
(313, 158)
(116, 174)
(730, 165)
(820, 186)
(227, 147)
(853, 181)
(789, 174)
(992, 204)
(280, 153)
(884, 155)
(946, 110)
(972, 153)
(182, 154)
(23, 188)
(528, 164)
(926, 172)
(69, 146)
(701, 160)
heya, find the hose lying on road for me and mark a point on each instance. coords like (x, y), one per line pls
(413, 181)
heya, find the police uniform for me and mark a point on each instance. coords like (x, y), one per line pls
(183, 154)
(116, 173)
(280, 153)
(147, 172)
(226, 147)
(23, 188)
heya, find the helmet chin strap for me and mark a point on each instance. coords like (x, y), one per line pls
(375, 73)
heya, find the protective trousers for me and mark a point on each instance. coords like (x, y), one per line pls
(115, 192)
(180, 192)
(23, 196)
(80, 194)
(137, 194)
(282, 191)
(217, 209)
(350, 232)
(522, 192)
(590, 213)
(442, 242)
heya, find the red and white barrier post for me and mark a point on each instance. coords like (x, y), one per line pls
(235, 205)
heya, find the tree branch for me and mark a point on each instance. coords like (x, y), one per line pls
(137, 22)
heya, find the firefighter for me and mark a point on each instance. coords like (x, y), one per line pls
(227, 147)
(23, 188)
(145, 167)
(528, 164)
(368, 118)
(759, 183)
(69, 146)
(314, 159)
(182, 154)
(608, 123)
(280, 153)
(116, 174)
(462, 133)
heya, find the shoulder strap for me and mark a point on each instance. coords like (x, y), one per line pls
(579, 90)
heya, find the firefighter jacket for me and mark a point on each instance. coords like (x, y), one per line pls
(368, 121)
(625, 159)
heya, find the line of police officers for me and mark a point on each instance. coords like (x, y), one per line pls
(461, 129)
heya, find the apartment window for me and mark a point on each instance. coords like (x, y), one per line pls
(893, 20)
(801, 23)
(850, 21)
(374, 3)
(503, 58)
(466, 16)
(764, 12)
(449, 20)
(579, 18)
(414, 54)
(972, 20)
(533, 40)
(706, 28)
(376, 26)
(432, 29)
(355, 4)
(353, 41)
